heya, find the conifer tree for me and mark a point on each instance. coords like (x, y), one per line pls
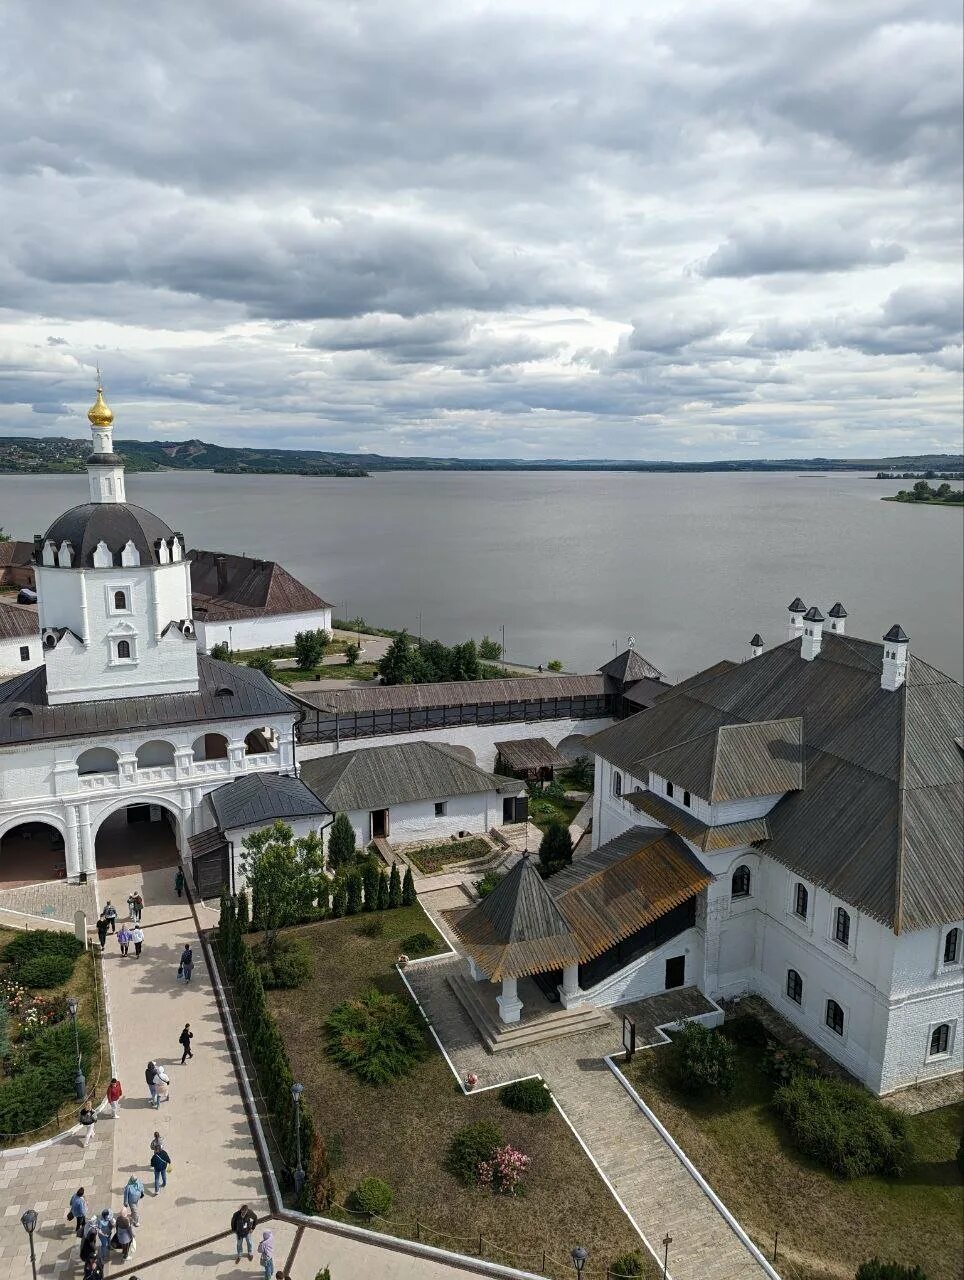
(382, 903)
(394, 887)
(371, 887)
(353, 889)
(341, 843)
(408, 889)
(339, 900)
(241, 914)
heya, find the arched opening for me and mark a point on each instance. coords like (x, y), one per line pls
(573, 746)
(256, 743)
(135, 839)
(465, 753)
(155, 754)
(97, 760)
(210, 746)
(30, 852)
(120, 600)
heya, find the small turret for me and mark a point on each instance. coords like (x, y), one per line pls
(104, 467)
(894, 670)
(756, 646)
(795, 626)
(813, 621)
(838, 618)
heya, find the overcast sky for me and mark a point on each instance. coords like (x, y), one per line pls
(534, 228)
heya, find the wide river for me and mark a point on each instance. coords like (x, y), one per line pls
(571, 564)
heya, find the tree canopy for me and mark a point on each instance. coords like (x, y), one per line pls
(282, 873)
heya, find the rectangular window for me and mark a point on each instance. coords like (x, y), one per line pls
(841, 927)
(835, 1018)
(440, 808)
(940, 1040)
(800, 901)
(25, 653)
(617, 783)
(794, 986)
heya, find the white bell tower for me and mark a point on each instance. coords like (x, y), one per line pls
(104, 467)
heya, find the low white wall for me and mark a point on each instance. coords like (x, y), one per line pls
(647, 975)
(480, 739)
(417, 820)
(260, 633)
(11, 663)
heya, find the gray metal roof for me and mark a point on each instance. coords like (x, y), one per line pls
(451, 693)
(879, 819)
(645, 692)
(263, 798)
(629, 666)
(530, 753)
(114, 523)
(18, 621)
(736, 761)
(225, 692)
(377, 777)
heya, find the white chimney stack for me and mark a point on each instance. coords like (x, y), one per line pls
(838, 619)
(756, 646)
(894, 670)
(795, 627)
(812, 633)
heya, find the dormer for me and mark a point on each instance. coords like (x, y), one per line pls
(65, 555)
(103, 559)
(130, 554)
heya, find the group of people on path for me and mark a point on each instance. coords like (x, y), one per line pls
(105, 1232)
(244, 1222)
(129, 934)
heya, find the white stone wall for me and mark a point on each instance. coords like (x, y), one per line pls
(417, 820)
(11, 663)
(480, 739)
(236, 836)
(261, 633)
(647, 975)
(925, 993)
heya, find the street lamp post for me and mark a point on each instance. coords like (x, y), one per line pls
(296, 1091)
(28, 1220)
(579, 1256)
(230, 638)
(80, 1084)
(667, 1241)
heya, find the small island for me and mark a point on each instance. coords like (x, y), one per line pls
(923, 493)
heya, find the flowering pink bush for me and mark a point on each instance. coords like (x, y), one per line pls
(503, 1173)
(29, 1012)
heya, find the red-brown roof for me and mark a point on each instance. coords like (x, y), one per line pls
(229, 587)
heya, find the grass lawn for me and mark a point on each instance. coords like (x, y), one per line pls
(434, 857)
(361, 671)
(399, 1132)
(86, 985)
(827, 1226)
(544, 809)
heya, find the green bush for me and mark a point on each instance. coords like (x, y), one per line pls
(419, 944)
(530, 1096)
(877, 1270)
(341, 842)
(353, 891)
(960, 1156)
(470, 1146)
(372, 928)
(843, 1128)
(41, 972)
(45, 1077)
(379, 1037)
(746, 1031)
(783, 1062)
(394, 887)
(702, 1060)
(371, 1196)
(627, 1265)
(555, 848)
(289, 967)
(409, 896)
(41, 942)
(488, 882)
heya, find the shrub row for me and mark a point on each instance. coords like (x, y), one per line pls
(42, 959)
(41, 1076)
(844, 1128)
(362, 885)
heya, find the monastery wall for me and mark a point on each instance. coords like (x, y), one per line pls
(261, 632)
(11, 661)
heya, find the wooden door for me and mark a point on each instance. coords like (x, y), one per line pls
(675, 971)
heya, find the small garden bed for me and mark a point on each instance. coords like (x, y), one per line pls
(550, 805)
(38, 971)
(432, 858)
(401, 1133)
(827, 1225)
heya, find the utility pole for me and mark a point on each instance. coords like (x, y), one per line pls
(503, 642)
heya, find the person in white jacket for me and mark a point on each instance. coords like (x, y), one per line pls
(162, 1086)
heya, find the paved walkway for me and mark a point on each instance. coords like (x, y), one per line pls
(652, 1183)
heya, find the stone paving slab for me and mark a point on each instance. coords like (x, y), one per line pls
(51, 900)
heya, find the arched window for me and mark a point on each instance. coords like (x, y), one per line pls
(617, 783)
(841, 927)
(97, 760)
(835, 1017)
(120, 599)
(794, 986)
(669, 789)
(801, 900)
(686, 798)
(740, 884)
(940, 1040)
(50, 640)
(154, 754)
(123, 648)
(952, 946)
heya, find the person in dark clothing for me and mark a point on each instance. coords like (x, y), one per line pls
(243, 1224)
(89, 1247)
(160, 1161)
(110, 915)
(179, 882)
(186, 966)
(102, 931)
(184, 1040)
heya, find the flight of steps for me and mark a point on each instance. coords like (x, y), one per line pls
(548, 1026)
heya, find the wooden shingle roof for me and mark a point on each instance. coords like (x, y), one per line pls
(530, 753)
(728, 835)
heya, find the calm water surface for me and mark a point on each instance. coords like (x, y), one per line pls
(691, 565)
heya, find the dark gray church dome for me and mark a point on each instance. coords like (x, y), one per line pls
(113, 523)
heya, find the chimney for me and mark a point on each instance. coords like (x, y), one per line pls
(797, 610)
(812, 633)
(838, 619)
(894, 670)
(222, 574)
(756, 646)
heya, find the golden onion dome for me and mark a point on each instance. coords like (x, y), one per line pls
(99, 414)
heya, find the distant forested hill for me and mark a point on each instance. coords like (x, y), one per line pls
(52, 454)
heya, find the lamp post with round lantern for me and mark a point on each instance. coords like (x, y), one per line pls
(296, 1091)
(28, 1220)
(579, 1256)
(80, 1084)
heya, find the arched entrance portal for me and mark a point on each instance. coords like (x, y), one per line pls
(136, 838)
(31, 851)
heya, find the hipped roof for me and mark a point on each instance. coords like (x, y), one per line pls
(530, 753)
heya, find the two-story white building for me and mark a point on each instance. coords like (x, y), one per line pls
(123, 716)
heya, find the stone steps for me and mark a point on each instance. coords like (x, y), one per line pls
(498, 1037)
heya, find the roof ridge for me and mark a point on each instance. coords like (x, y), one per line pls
(901, 792)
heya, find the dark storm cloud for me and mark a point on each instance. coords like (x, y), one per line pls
(391, 225)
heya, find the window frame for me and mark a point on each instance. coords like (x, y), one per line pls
(798, 889)
(113, 590)
(746, 881)
(25, 653)
(935, 1031)
(687, 800)
(441, 808)
(840, 913)
(953, 935)
(669, 790)
(793, 987)
(617, 784)
(831, 1022)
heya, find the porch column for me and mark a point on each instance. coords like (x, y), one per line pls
(475, 973)
(570, 992)
(88, 857)
(510, 1006)
(72, 850)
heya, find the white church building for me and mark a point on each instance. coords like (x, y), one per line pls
(124, 719)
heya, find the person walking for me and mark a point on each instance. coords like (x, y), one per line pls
(137, 937)
(157, 1142)
(160, 1163)
(179, 882)
(124, 1228)
(266, 1254)
(114, 1093)
(162, 1086)
(89, 1250)
(184, 1040)
(93, 1267)
(110, 915)
(138, 908)
(105, 1230)
(149, 1073)
(186, 966)
(244, 1221)
(133, 1193)
(124, 938)
(102, 932)
(78, 1212)
(88, 1118)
